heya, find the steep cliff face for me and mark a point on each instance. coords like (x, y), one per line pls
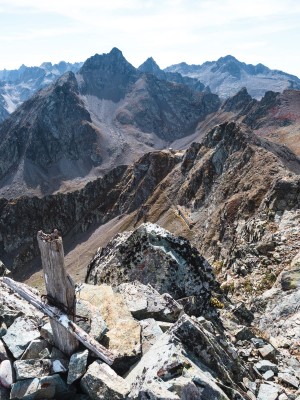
(169, 110)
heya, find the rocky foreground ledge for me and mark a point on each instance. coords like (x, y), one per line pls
(161, 351)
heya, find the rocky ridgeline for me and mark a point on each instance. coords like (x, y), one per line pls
(121, 190)
(161, 351)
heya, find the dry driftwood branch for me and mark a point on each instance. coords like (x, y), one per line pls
(62, 319)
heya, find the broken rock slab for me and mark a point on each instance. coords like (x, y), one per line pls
(180, 360)
(77, 366)
(288, 379)
(48, 387)
(151, 331)
(26, 369)
(265, 365)
(38, 348)
(144, 302)
(124, 332)
(267, 392)
(101, 382)
(20, 334)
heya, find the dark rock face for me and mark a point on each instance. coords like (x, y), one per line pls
(240, 102)
(171, 111)
(260, 109)
(154, 256)
(107, 76)
(51, 133)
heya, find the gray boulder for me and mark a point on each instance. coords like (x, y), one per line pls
(20, 334)
(101, 382)
(154, 256)
(26, 369)
(47, 387)
(267, 392)
(77, 366)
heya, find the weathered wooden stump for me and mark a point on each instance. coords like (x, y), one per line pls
(59, 286)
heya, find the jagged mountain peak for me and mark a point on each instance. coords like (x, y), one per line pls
(239, 102)
(226, 59)
(100, 61)
(149, 65)
(107, 76)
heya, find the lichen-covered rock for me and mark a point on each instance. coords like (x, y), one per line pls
(144, 302)
(101, 382)
(20, 334)
(124, 332)
(154, 256)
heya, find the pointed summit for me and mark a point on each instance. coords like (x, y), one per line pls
(151, 67)
(108, 75)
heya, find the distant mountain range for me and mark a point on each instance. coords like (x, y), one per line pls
(225, 77)
(18, 85)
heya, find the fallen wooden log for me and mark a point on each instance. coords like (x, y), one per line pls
(62, 319)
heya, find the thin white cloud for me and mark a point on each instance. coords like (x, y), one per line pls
(170, 30)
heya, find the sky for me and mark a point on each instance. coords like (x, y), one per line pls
(171, 31)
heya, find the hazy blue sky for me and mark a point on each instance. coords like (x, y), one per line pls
(171, 31)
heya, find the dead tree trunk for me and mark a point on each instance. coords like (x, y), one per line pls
(59, 286)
